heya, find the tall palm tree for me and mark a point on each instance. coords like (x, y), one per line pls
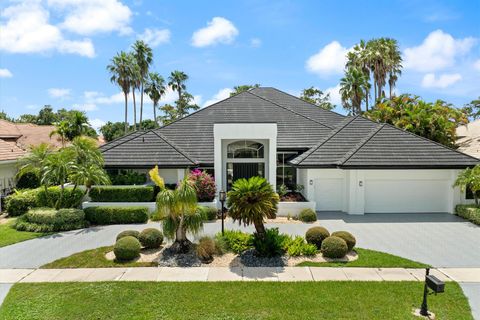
(394, 63)
(144, 56)
(352, 90)
(176, 81)
(56, 169)
(360, 58)
(135, 81)
(78, 124)
(62, 129)
(120, 69)
(33, 162)
(155, 88)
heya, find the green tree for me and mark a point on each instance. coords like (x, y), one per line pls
(435, 121)
(77, 124)
(27, 118)
(144, 57)
(251, 202)
(469, 179)
(155, 89)
(4, 116)
(46, 116)
(472, 109)
(34, 160)
(177, 81)
(56, 170)
(243, 88)
(113, 130)
(62, 129)
(352, 90)
(317, 97)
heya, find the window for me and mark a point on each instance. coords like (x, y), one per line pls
(245, 149)
(286, 174)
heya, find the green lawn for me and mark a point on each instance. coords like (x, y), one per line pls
(8, 235)
(228, 300)
(93, 259)
(371, 259)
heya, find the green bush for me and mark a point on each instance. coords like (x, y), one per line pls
(208, 213)
(127, 177)
(28, 180)
(151, 238)
(307, 215)
(122, 194)
(20, 202)
(51, 220)
(235, 241)
(206, 248)
(334, 247)
(126, 233)
(348, 237)
(271, 245)
(298, 247)
(71, 198)
(127, 248)
(116, 215)
(316, 235)
(469, 212)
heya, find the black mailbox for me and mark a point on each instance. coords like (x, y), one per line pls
(435, 284)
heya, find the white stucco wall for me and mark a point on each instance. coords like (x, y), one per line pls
(169, 175)
(8, 170)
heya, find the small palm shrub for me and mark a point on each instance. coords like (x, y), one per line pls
(316, 235)
(127, 248)
(151, 238)
(204, 185)
(132, 233)
(348, 237)
(206, 248)
(234, 241)
(307, 215)
(270, 244)
(208, 213)
(334, 247)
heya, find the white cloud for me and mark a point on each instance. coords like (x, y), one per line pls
(330, 59)
(255, 42)
(476, 65)
(155, 37)
(87, 17)
(219, 30)
(443, 81)
(220, 95)
(5, 73)
(85, 107)
(27, 30)
(335, 96)
(439, 50)
(59, 93)
(96, 123)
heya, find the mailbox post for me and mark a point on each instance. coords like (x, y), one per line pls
(434, 284)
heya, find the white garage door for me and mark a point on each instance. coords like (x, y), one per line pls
(328, 194)
(406, 196)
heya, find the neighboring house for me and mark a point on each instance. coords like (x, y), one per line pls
(469, 138)
(348, 164)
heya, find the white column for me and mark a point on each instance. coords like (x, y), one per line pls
(218, 162)
(356, 192)
(272, 159)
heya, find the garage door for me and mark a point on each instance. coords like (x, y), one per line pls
(406, 196)
(328, 194)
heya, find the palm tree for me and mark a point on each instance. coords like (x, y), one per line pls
(352, 90)
(155, 88)
(33, 162)
(176, 81)
(135, 81)
(78, 124)
(469, 178)
(144, 56)
(360, 58)
(394, 63)
(62, 129)
(56, 169)
(252, 201)
(120, 69)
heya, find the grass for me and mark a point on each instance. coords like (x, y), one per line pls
(228, 300)
(93, 259)
(8, 234)
(371, 259)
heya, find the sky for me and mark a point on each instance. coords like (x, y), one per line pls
(56, 51)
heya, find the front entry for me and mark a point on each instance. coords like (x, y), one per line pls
(239, 170)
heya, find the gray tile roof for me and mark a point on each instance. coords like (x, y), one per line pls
(331, 140)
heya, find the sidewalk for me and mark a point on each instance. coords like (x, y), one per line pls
(283, 274)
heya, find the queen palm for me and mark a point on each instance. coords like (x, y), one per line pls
(469, 178)
(155, 89)
(33, 162)
(176, 81)
(135, 81)
(251, 202)
(78, 124)
(56, 170)
(352, 90)
(120, 69)
(144, 57)
(62, 129)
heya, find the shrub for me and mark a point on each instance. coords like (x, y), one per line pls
(271, 244)
(51, 220)
(208, 213)
(20, 202)
(151, 238)
(348, 237)
(127, 248)
(126, 233)
(469, 212)
(71, 198)
(28, 180)
(316, 235)
(298, 247)
(307, 215)
(334, 247)
(128, 177)
(116, 215)
(206, 248)
(204, 185)
(235, 241)
(122, 194)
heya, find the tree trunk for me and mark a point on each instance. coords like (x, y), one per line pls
(141, 106)
(390, 91)
(181, 244)
(366, 99)
(155, 113)
(60, 199)
(259, 228)
(475, 198)
(126, 112)
(134, 112)
(375, 94)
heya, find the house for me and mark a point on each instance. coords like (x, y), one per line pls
(469, 138)
(345, 163)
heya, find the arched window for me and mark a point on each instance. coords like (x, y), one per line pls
(245, 149)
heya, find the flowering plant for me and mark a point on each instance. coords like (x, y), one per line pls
(204, 185)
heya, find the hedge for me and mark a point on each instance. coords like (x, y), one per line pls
(116, 215)
(51, 220)
(122, 194)
(469, 212)
(20, 202)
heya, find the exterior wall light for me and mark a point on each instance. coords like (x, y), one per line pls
(360, 183)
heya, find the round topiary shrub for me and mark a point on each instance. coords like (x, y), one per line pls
(316, 235)
(127, 248)
(348, 237)
(334, 247)
(151, 238)
(307, 215)
(126, 233)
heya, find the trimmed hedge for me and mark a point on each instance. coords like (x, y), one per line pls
(126, 233)
(307, 215)
(334, 247)
(208, 213)
(122, 194)
(116, 215)
(51, 220)
(71, 198)
(348, 237)
(316, 235)
(469, 212)
(151, 238)
(20, 202)
(127, 248)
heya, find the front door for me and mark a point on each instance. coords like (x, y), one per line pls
(238, 170)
